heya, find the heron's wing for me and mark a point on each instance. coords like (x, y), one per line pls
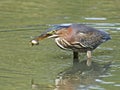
(92, 39)
(89, 37)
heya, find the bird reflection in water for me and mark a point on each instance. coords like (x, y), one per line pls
(80, 76)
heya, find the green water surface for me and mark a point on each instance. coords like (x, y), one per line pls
(20, 20)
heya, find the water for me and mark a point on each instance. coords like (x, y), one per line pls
(47, 64)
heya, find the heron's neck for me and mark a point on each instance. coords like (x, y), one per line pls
(62, 43)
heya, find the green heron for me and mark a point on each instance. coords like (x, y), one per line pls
(75, 37)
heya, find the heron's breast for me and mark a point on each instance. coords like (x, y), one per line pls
(63, 43)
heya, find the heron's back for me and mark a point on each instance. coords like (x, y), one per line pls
(90, 37)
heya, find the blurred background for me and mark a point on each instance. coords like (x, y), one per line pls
(21, 20)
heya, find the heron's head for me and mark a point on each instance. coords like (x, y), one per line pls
(48, 34)
(54, 32)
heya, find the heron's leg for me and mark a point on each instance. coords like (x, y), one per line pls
(75, 57)
(89, 55)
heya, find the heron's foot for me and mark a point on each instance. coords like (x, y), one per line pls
(89, 62)
(89, 55)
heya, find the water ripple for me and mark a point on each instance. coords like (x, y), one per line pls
(104, 82)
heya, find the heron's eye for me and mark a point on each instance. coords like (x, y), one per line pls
(52, 32)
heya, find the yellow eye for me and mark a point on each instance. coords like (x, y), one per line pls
(54, 31)
(51, 32)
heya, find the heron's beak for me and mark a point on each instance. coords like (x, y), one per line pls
(36, 40)
(53, 36)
